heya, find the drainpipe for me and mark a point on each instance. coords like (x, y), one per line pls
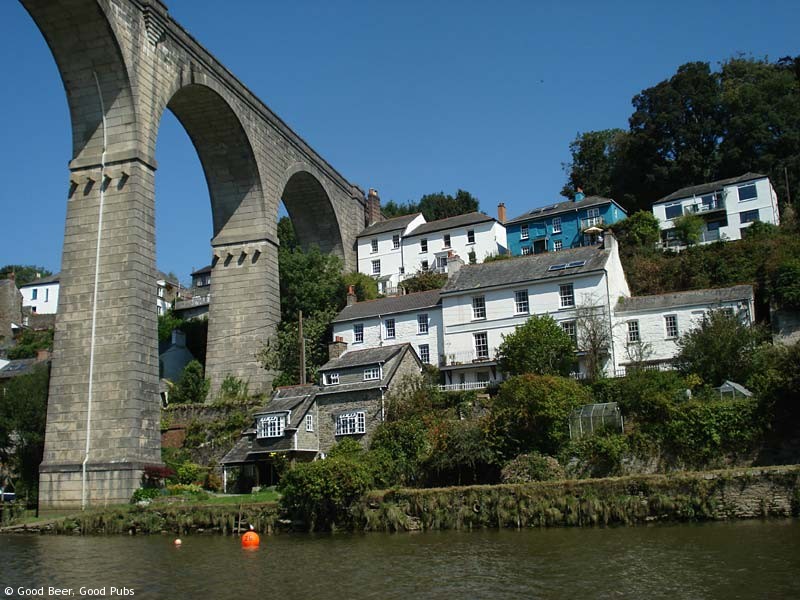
(610, 323)
(94, 297)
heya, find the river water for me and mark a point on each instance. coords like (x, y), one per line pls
(748, 559)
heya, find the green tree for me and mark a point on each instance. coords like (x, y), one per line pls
(366, 287)
(531, 412)
(423, 281)
(434, 206)
(721, 348)
(286, 234)
(595, 163)
(192, 386)
(786, 284)
(24, 273)
(539, 346)
(309, 281)
(689, 228)
(30, 342)
(640, 229)
(23, 412)
(167, 322)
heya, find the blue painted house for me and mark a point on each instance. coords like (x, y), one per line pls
(568, 224)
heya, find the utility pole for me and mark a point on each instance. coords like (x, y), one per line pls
(788, 192)
(302, 347)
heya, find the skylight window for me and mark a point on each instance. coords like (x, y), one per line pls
(576, 263)
(559, 267)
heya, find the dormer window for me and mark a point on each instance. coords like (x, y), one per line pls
(372, 373)
(271, 426)
(331, 379)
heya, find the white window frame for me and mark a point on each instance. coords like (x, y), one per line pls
(524, 232)
(670, 205)
(395, 241)
(747, 185)
(425, 353)
(671, 327)
(372, 374)
(353, 423)
(332, 378)
(527, 251)
(556, 224)
(566, 295)
(376, 266)
(422, 324)
(480, 342)
(271, 426)
(521, 302)
(358, 333)
(557, 245)
(374, 245)
(470, 236)
(478, 308)
(390, 329)
(310, 423)
(423, 245)
(571, 329)
(634, 335)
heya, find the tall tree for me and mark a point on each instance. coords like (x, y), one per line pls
(434, 206)
(594, 164)
(24, 273)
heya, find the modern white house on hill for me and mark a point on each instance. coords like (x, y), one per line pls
(728, 207)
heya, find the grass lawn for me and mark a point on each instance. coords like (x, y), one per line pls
(265, 495)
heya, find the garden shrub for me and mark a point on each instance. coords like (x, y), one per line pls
(532, 467)
(599, 455)
(147, 493)
(188, 473)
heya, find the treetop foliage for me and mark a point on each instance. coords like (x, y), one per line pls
(538, 346)
(434, 206)
(24, 273)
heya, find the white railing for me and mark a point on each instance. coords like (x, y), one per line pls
(716, 204)
(624, 371)
(466, 358)
(591, 222)
(193, 302)
(464, 387)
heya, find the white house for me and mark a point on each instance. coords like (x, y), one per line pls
(41, 295)
(728, 207)
(472, 237)
(380, 251)
(647, 328)
(482, 303)
(414, 319)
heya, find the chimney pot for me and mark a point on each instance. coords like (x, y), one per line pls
(373, 207)
(351, 296)
(501, 212)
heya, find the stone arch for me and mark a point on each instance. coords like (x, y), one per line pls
(84, 45)
(228, 160)
(309, 205)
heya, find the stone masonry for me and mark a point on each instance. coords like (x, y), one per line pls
(123, 62)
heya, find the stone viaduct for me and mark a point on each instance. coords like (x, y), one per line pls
(123, 62)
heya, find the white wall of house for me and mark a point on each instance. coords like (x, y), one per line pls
(656, 342)
(389, 253)
(407, 330)
(738, 214)
(43, 299)
(490, 239)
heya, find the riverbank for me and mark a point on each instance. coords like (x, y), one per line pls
(704, 496)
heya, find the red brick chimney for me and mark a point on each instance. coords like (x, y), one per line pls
(351, 296)
(501, 212)
(373, 210)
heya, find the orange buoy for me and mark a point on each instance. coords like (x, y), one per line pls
(250, 540)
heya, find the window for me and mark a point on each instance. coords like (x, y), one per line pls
(441, 262)
(160, 292)
(372, 373)
(671, 323)
(389, 324)
(46, 294)
(556, 224)
(526, 250)
(271, 426)
(423, 245)
(424, 265)
(566, 294)
(748, 216)
(396, 241)
(351, 423)
(478, 307)
(482, 377)
(593, 213)
(557, 245)
(571, 329)
(309, 422)
(446, 240)
(332, 378)
(358, 333)
(374, 245)
(633, 332)
(34, 294)
(673, 210)
(523, 232)
(481, 345)
(425, 353)
(521, 302)
(747, 192)
(422, 323)
(376, 267)
(159, 309)
(471, 236)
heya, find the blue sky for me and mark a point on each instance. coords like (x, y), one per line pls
(408, 97)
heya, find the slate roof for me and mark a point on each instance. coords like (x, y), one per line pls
(690, 298)
(21, 366)
(386, 306)
(525, 268)
(392, 224)
(42, 281)
(206, 269)
(706, 188)
(238, 454)
(290, 398)
(561, 207)
(368, 356)
(451, 223)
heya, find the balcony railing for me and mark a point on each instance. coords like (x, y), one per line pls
(464, 387)
(193, 302)
(466, 358)
(714, 205)
(591, 222)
